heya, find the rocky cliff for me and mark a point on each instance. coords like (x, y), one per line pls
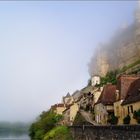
(124, 49)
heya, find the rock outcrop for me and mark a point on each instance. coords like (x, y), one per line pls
(123, 50)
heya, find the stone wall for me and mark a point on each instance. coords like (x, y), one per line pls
(90, 132)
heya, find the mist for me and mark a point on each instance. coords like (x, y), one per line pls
(45, 48)
(111, 55)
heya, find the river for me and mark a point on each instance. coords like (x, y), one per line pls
(22, 137)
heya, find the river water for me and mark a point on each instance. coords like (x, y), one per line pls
(23, 137)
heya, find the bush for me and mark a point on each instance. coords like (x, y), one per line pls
(109, 78)
(58, 133)
(126, 120)
(136, 115)
(113, 120)
(46, 121)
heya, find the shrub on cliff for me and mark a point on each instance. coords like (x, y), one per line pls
(58, 133)
(109, 78)
(126, 120)
(46, 122)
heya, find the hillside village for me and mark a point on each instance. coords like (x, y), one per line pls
(103, 104)
(111, 98)
(112, 95)
(122, 50)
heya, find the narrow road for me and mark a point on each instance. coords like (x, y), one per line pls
(88, 117)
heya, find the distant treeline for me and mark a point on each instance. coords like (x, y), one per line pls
(7, 128)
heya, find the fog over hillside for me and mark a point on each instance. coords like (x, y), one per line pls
(122, 49)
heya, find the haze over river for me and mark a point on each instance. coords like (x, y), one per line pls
(25, 137)
(13, 136)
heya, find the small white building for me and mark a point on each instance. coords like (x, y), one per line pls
(95, 80)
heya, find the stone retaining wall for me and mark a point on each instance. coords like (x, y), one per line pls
(90, 132)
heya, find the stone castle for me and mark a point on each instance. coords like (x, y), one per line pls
(124, 49)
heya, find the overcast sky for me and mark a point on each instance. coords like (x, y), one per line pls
(45, 48)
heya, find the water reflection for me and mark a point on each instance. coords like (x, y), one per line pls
(13, 137)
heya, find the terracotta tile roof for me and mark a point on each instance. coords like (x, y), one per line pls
(133, 94)
(123, 84)
(60, 105)
(54, 106)
(57, 105)
(107, 96)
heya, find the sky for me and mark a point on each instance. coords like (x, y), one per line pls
(45, 48)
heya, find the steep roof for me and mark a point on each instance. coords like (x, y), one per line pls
(53, 107)
(76, 95)
(123, 84)
(107, 96)
(65, 97)
(68, 95)
(57, 105)
(60, 105)
(133, 94)
(87, 89)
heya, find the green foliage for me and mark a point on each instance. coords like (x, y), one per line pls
(136, 115)
(126, 120)
(58, 133)
(130, 66)
(113, 119)
(46, 122)
(111, 75)
(109, 78)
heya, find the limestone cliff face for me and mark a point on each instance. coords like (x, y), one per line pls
(123, 50)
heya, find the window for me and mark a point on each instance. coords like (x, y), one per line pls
(128, 109)
(131, 107)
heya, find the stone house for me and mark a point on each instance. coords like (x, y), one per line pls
(123, 84)
(76, 95)
(132, 101)
(74, 108)
(104, 106)
(58, 108)
(96, 94)
(86, 101)
(70, 113)
(95, 80)
(66, 115)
